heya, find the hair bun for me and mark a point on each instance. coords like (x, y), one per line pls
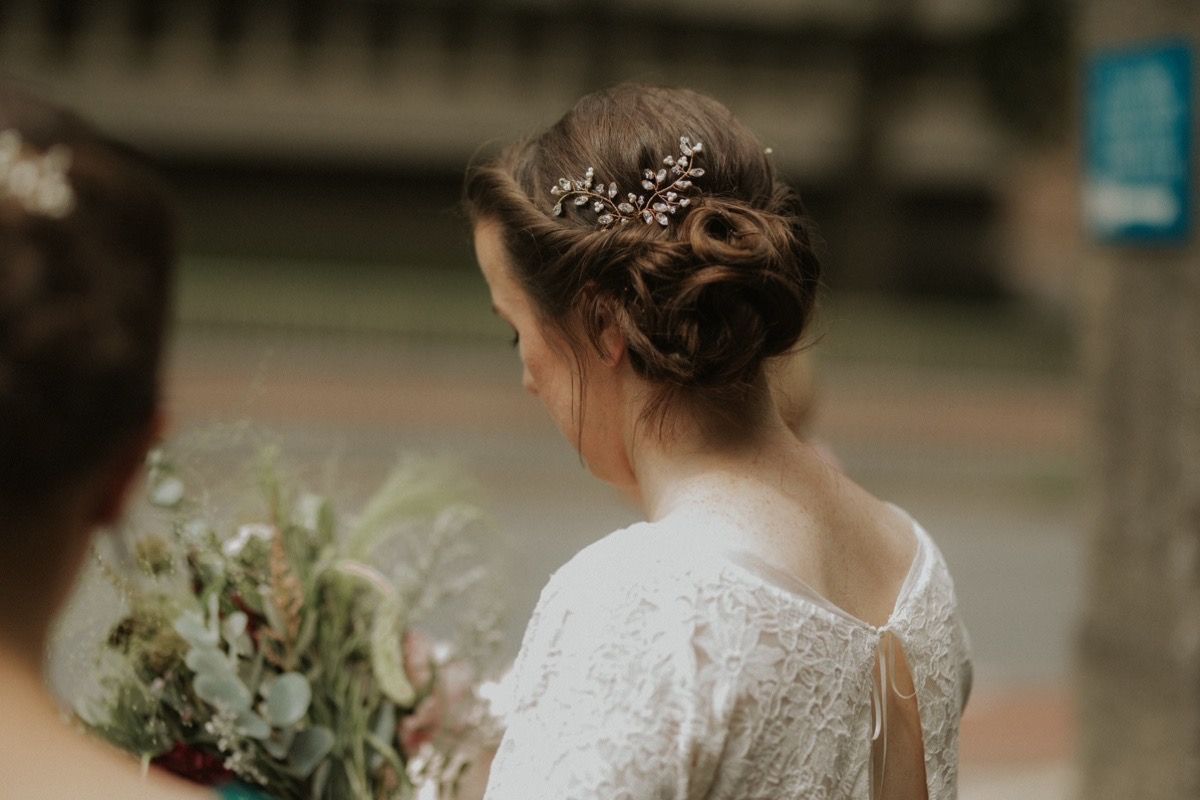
(735, 286)
(702, 300)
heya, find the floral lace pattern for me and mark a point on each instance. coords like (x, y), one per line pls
(644, 674)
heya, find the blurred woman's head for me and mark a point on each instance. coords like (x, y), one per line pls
(87, 244)
(694, 296)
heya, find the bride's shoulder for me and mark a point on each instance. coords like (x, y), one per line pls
(613, 556)
(644, 556)
(608, 596)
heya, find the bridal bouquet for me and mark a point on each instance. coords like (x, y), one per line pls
(277, 650)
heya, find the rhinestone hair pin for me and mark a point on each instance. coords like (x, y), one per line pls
(665, 200)
(38, 182)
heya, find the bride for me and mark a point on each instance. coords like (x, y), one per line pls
(771, 630)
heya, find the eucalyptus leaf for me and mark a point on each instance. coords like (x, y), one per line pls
(167, 493)
(234, 626)
(209, 661)
(309, 748)
(223, 691)
(288, 700)
(275, 749)
(242, 645)
(279, 743)
(252, 725)
(190, 625)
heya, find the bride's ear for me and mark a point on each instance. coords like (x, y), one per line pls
(613, 345)
(603, 316)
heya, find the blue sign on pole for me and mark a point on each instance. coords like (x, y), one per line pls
(1138, 143)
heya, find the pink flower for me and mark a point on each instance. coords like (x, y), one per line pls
(421, 726)
(449, 686)
(454, 683)
(418, 659)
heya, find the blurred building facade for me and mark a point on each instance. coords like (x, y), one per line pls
(327, 129)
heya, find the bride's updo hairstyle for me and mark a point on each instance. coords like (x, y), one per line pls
(86, 250)
(729, 281)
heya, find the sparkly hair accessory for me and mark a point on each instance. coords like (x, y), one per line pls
(666, 198)
(38, 182)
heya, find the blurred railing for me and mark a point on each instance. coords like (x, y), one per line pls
(424, 82)
(885, 111)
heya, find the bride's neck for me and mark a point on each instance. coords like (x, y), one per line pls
(668, 470)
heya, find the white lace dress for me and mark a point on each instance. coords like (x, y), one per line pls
(656, 669)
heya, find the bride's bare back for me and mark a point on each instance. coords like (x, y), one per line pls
(854, 551)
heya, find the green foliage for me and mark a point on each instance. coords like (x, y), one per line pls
(276, 648)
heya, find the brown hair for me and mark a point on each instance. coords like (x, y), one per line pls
(83, 303)
(731, 281)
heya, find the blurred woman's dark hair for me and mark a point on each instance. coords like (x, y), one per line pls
(83, 306)
(702, 302)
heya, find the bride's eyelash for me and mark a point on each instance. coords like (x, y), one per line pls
(516, 339)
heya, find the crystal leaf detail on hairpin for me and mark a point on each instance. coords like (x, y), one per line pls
(665, 184)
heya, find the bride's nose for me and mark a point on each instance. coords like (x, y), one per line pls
(527, 381)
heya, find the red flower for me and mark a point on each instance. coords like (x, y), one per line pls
(197, 766)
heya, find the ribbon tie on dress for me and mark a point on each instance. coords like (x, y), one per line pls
(885, 655)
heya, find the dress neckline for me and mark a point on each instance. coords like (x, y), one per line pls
(748, 563)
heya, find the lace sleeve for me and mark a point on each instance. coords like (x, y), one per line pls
(966, 667)
(605, 701)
